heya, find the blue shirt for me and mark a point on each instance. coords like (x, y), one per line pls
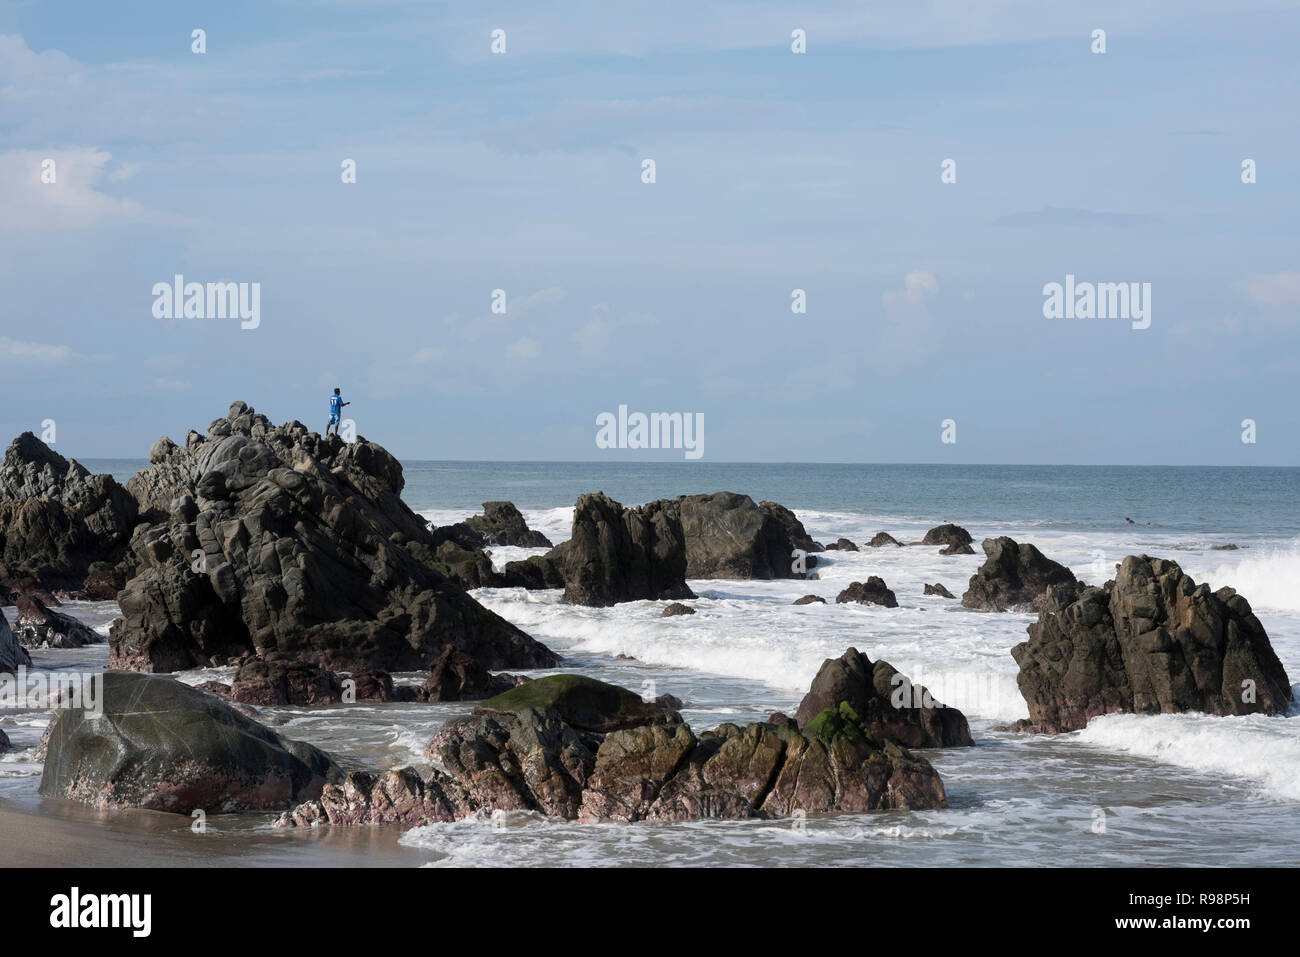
(336, 404)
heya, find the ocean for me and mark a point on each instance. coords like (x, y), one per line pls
(1169, 790)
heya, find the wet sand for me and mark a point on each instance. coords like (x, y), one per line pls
(62, 834)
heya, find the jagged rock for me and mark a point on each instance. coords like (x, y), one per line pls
(728, 536)
(843, 545)
(295, 545)
(950, 535)
(39, 627)
(873, 591)
(624, 554)
(809, 599)
(456, 676)
(597, 762)
(461, 534)
(537, 571)
(57, 520)
(12, 654)
(1151, 642)
(881, 539)
(793, 528)
(938, 589)
(162, 745)
(5, 743)
(888, 704)
(502, 524)
(676, 608)
(1014, 577)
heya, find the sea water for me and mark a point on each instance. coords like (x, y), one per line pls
(1128, 790)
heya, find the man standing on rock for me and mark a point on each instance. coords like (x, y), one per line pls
(336, 412)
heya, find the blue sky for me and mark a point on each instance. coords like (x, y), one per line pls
(775, 171)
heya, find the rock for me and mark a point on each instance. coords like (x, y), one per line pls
(1224, 548)
(400, 797)
(468, 568)
(889, 706)
(880, 539)
(1151, 642)
(537, 571)
(469, 539)
(273, 681)
(676, 608)
(938, 589)
(948, 534)
(620, 554)
(1014, 578)
(502, 524)
(5, 743)
(843, 545)
(296, 546)
(809, 599)
(57, 520)
(456, 676)
(873, 591)
(162, 745)
(955, 549)
(728, 536)
(583, 703)
(792, 527)
(39, 627)
(12, 654)
(780, 718)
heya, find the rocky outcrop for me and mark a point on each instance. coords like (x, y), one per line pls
(676, 608)
(575, 748)
(57, 520)
(809, 600)
(620, 554)
(843, 545)
(888, 704)
(162, 745)
(503, 524)
(938, 589)
(873, 591)
(38, 627)
(952, 536)
(1151, 642)
(791, 526)
(881, 539)
(12, 654)
(278, 541)
(1014, 577)
(537, 571)
(728, 536)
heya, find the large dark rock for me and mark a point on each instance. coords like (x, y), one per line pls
(790, 524)
(12, 654)
(57, 521)
(537, 571)
(949, 535)
(873, 591)
(163, 745)
(881, 539)
(1151, 642)
(888, 704)
(456, 676)
(842, 545)
(37, 626)
(624, 554)
(1014, 578)
(278, 541)
(569, 747)
(502, 524)
(274, 681)
(728, 536)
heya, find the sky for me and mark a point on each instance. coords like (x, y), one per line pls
(774, 171)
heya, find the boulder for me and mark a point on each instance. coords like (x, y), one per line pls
(456, 676)
(873, 591)
(1150, 642)
(949, 535)
(843, 545)
(792, 527)
(676, 608)
(162, 745)
(809, 599)
(886, 702)
(537, 571)
(938, 589)
(880, 539)
(12, 654)
(39, 627)
(618, 554)
(728, 536)
(1014, 577)
(57, 521)
(291, 544)
(502, 524)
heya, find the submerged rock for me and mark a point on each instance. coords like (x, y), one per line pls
(880, 539)
(278, 541)
(887, 703)
(843, 545)
(39, 627)
(1014, 577)
(873, 591)
(162, 745)
(809, 599)
(676, 608)
(1151, 642)
(938, 589)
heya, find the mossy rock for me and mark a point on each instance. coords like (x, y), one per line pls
(584, 703)
(842, 721)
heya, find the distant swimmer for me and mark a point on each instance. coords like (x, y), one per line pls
(1127, 521)
(336, 412)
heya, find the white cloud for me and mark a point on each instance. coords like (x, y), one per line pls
(522, 349)
(74, 200)
(596, 334)
(1273, 290)
(918, 286)
(13, 349)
